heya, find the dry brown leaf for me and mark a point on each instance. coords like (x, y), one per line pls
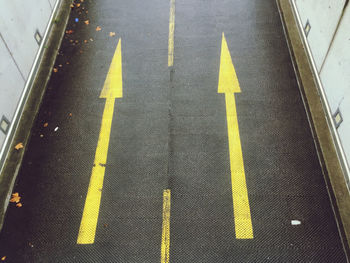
(19, 204)
(98, 28)
(77, 5)
(15, 198)
(85, 41)
(111, 34)
(72, 6)
(55, 70)
(3, 258)
(46, 124)
(19, 146)
(87, 22)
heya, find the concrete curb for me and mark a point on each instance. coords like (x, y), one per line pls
(323, 138)
(22, 134)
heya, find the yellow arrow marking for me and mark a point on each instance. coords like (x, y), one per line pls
(164, 257)
(112, 89)
(228, 84)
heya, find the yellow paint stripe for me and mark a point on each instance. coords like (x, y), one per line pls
(171, 34)
(92, 203)
(165, 248)
(243, 222)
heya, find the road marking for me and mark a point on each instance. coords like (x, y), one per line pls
(228, 84)
(164, 258)
(171, 34)
(112, 89)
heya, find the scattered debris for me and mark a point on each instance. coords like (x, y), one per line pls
(91, 39)
(46, 124)
(98, 28)
(19, 146)
(70, 114)
(15, 198)
(111, 34)
(55, 70)
(56, 129)
(19, 204)
(30, 244)
(85, 41)
(41, 135)
(60, 65)
(69, 32)
(295, 222)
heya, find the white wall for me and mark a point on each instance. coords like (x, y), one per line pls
(329, 41)
(19, 21)
(335, 77)
(323, 16)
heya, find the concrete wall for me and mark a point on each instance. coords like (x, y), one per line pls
(19, 21)
(329, 42)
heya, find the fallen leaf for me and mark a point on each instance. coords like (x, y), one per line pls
(85, 41)
(67, 62)
(70, 114)
(111, 34)
(87, 12)
(91, 39)
(19, 204)
(69, 31)
(55, 70)
(77, 5)
(87, 22)
(72, 6)
(19, 146)
(15, 198)
(98, 28)
(46, 124)
(60, 65)
(3, 258)
(41, 135)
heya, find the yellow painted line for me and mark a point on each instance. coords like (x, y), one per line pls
(171, 34)
(165, 248)
(228, 84)
(112, 89)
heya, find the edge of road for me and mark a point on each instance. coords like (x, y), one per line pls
(327, 153)
(31, 107)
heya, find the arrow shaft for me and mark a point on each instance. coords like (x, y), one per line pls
(243, 223)
(93, 199)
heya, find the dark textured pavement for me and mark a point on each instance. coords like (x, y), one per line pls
(169, 131)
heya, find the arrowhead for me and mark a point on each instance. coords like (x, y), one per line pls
(113, 86)
(228, 81)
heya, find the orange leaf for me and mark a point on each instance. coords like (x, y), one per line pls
(3, 258)
(15, 198)
(19, 146)
(77, 5)
(46, 124)
(111, 34)
(19, 204)
(98, 28)
(87, 22)
(55, 70)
